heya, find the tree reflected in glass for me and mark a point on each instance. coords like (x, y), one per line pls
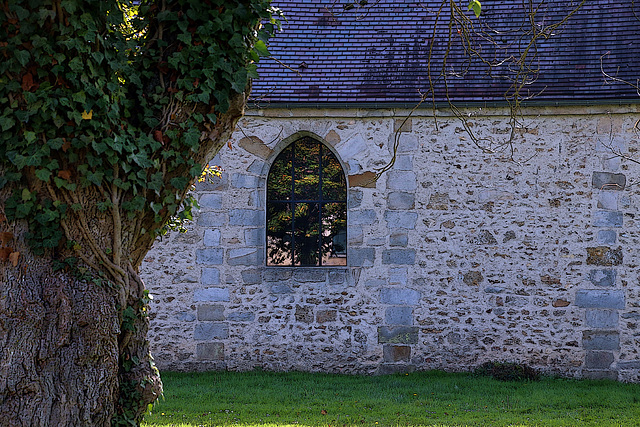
(306, 207)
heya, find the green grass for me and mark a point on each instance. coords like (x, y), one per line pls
(418, 399)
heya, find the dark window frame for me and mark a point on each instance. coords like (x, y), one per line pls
(293, 200)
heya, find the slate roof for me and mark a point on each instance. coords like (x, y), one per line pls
(379, 54)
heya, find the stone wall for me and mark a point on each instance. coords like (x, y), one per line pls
(455, 256)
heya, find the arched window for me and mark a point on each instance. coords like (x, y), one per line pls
(306, 207)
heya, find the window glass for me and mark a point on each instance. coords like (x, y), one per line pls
(279, 236)
(279, 184)
(306, 170)
(306, 207)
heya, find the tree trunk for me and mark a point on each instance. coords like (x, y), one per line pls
(62, 348)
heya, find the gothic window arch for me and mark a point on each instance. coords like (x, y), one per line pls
(306, 207)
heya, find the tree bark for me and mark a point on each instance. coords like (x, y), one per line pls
(60, 338)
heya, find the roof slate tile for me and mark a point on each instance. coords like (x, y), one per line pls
(381, 54)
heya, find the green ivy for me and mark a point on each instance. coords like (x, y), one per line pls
(84, 87)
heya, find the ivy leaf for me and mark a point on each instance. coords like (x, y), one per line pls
(261, 48)
(6, 123)
(476, 7)
(179, 182)
(26, 195)
(43, 174)
(96, 177)
(13, 257)
(22, 56)
(142, 159)
(65, 174)
(240, 81)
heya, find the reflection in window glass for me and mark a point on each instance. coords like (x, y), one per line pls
(306, 207)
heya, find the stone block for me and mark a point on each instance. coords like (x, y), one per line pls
(256, 167)
(403, 125)
(604, 256)
(185, 316)
(251, 276)
(254, 237)
(399, 200)
(403, 163)
(599, 298)
(607, 237)
(407, 143)
(212, 238)
(401, 180)
(210, 201)
(310, 275)
(211, 295)
(277, 274)
(211, 219)
(399, 296)
(600, 340)
(365, 180)
(337, 277)
(211, 312)
(209, 256)
(304, 314)
(604, 277)
(361, 257)
(210, 276)
(401, 219)
(353, 166)
(245, 256)
(239, 180)
(398, 334)
(324, 316)
(600, 374)
(210, 351)
(399, 256)
(207, 331)
(398, 276)
(602, 319)
(607, 219)
(363, 217)
(399, 238)
(399, 315)
(241, 316)
(395, 368)
(355, 199)
(375, 283)
(608, 200)
(355, 235)
(608, 181)
(332, 137)
(216, 184)
(280, 288)
(246, 217)
(598, 359)
(629, 364)
(396, 353)
(255, 146)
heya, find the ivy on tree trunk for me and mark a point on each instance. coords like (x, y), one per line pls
(108, 112)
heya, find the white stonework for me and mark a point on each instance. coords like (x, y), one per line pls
(455, 256)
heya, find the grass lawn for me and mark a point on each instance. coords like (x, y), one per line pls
(418, 399)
